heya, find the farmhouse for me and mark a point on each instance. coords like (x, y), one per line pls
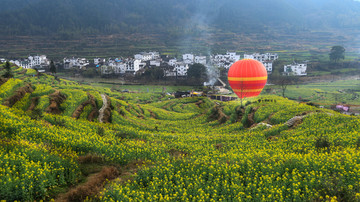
(99, 61)
(269, 66)
(25, 64)
(32, 62)
(224, 61)
(146, 56)
(200, 59)
(188, 58)
(172, 62)
(181, 68)
(155, 63)
(266, 59)
(75, 63)
(133, 66)
(295, 69)
(262, 57)
(232, 56)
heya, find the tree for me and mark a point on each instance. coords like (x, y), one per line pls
(197, 71)
(52, 67)
(197, 74)
(283, 81)
(337, 53)
(90, 72)
(7, 68)
(154, 73)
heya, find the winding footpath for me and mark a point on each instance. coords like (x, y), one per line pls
(102, 109)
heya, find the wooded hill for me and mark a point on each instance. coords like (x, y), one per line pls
(67, 17)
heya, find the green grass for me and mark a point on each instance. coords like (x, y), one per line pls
(324, 92)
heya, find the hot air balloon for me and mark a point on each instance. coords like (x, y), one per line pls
(247, 78)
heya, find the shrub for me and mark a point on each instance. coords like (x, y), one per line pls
(322, 143)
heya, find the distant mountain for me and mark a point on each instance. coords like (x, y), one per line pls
(9, 5)
(192, 25)
(39, 17)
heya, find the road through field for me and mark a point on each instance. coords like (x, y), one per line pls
(101, 111)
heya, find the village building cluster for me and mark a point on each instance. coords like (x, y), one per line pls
(172, 66)
(39, 62)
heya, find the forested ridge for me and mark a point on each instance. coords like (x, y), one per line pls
(42, 17)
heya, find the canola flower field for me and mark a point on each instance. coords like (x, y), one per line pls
(190, 149)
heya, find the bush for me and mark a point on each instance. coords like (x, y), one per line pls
(276, 130)
(59, 122)
(245, 120)
(101, 131)
(36, 114)
(358, 143)
(322, 143)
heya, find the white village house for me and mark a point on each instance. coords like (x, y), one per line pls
(156, 63)
(117, 65)
(37, 61)
(232, 56)
(129, 65)
(295, 69)
(225, 61)
(75, 63)
(262, 57)
(268, 66)
(188, 58)
(266, 59)
(172, 62)
(122, 66)
(119, 68)
(99, 60)
(138, 64)
(146, 56)
(181, 68)
(200, 59)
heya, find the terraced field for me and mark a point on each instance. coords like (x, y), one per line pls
(153, 147)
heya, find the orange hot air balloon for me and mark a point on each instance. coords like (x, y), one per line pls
(247, 77)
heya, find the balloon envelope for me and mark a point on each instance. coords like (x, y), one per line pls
(247, 77)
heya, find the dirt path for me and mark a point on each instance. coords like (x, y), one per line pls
(96, 181)
(101, 111)
(93, 185)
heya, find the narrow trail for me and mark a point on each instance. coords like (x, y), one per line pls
(102, 109)
(96, 181)
(93, 184)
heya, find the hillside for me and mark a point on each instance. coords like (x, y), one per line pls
(154, 147)
(49, 17)
(81, 26)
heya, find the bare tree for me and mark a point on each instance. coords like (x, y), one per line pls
(283, 82)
